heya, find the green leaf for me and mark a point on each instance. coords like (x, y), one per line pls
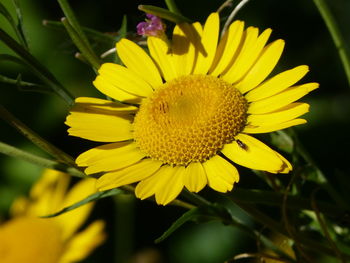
(164, 13)
(90, 198)
(12, 23)
(199, 214)
(37, 160)
(75, 31)
(124, 27)
(33, 64)
(188, 216)
(19, 27)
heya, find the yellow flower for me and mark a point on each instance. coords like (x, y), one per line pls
(185, 112)
(31, 239)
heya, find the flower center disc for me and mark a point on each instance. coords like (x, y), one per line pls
(189, 119)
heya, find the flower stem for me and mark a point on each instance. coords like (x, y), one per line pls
(336, 35)
(35, 138)
(15, 152)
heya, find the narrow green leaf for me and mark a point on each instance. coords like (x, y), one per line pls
(81, 45)
(90, 198)
(199, 214)
(12, 23)
(124, 27)
(188, 216)
(78, 32)
(338, 39)
(19, 27)
(172, 6)
(33, 64)
(164, 13)
(13, 59)
(37, 160)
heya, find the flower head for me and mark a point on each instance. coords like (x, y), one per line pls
(153, 26)
(187, 110)
(28, 238)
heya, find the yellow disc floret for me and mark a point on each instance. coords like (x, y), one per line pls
(189, 119)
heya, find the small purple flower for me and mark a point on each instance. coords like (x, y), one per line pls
(152, 27)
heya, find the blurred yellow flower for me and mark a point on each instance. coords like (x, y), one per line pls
(184, 113)
(28, 238)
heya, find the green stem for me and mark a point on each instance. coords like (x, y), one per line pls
(195, 198)
(17, 153)
(81, 45)
(336, 35)
(20, 83)
(172, 6)
(91, 33)
(42, 72)
(35, 138)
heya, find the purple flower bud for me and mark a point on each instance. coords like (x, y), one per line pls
(152, 27)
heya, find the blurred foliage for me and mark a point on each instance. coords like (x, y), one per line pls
(134, 225)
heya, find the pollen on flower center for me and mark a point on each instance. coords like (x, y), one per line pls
(189, 119)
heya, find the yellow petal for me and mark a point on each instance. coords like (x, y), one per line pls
(83, 243)
(255, 154)
(47, 194)
(284, 114)
(184, 48)
(97, 126)
(166, 184)
(209, 41)
(263, 67)
(273, 127)
(250, 51)
(221, 174)
(134, 173)
(281, 99)
(112, 159)
(287, 167)
(72, 220)
(125, 79)
(171, 185)
(194, 177)
(98, 153)
(105, 86)
(161, 53)
(227, 48)
(138, 61)
(277, 84)
(93, 104)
